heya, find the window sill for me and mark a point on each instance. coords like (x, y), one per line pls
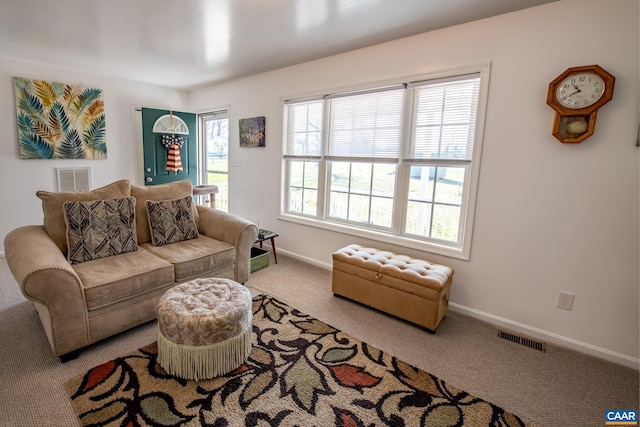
(402, 241)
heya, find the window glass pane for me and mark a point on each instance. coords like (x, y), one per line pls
(361, 178)
(296, 173)
(384, 179)
(314, 146)
(456, 175)
(340, 176)
(303, 185)
(445, 185)
(295, 199)
(381, 211)
(311, 175)
(359, 208)
(446, 220)
(339, 205)
(449, 185)
(304, 128)
(421, 183)
(310, 202)
(418, 218)
(300, 146)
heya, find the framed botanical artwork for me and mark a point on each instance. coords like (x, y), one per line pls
(252, 132)
(59, 120)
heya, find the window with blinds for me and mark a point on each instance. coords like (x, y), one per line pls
(304, 128)
(443, 119)
(366, 125)
(397, 160)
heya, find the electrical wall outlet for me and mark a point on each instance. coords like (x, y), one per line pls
(565, 300)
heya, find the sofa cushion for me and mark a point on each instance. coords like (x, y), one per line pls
(100, 228)
(52, 203)
(170, 191)
(193, 258)
(108, 281)
(171, 221)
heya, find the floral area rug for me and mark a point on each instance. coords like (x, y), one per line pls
(301, 372)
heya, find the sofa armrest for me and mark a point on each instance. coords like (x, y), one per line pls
(234, 230)
(46, 278)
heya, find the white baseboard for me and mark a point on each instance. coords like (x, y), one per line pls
(305, 259)
(550, 337)
(546, 336)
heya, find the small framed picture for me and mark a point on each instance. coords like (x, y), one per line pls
(252, 132)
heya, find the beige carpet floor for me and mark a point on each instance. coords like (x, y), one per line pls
(557, 388)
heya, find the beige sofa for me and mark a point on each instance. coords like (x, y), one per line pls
(85, 292)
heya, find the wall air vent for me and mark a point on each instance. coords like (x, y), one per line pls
(74, 179)
(523, 340)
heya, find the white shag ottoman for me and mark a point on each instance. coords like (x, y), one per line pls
(204, 328)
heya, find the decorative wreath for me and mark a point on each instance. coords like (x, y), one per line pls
(169, 140)
(173, 144)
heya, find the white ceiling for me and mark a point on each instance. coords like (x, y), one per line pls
(188, 43)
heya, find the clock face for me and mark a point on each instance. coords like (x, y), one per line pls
(580, 90)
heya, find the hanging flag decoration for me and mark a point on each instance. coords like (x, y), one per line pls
(173, 144)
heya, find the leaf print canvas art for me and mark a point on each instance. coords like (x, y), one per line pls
(59, 121)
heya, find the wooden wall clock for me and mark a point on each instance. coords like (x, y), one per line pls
(576, 95)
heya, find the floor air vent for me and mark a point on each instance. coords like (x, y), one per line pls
(523, 340)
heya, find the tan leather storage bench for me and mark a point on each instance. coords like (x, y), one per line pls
(408, 288)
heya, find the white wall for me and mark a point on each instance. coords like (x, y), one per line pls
(20, 179)
(549, 216)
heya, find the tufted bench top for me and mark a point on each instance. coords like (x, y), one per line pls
(405, 268)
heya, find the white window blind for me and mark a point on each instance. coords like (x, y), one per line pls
(366, 125)
(444, 118)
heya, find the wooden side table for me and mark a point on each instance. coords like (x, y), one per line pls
(268, 235)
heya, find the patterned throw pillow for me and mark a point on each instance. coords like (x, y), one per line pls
(100, 228)
(168, 191)
(171, 221)
(52, 207)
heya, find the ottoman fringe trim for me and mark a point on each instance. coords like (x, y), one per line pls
(206, 361)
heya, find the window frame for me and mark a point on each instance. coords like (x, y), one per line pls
(223, 197)
(395, 235)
